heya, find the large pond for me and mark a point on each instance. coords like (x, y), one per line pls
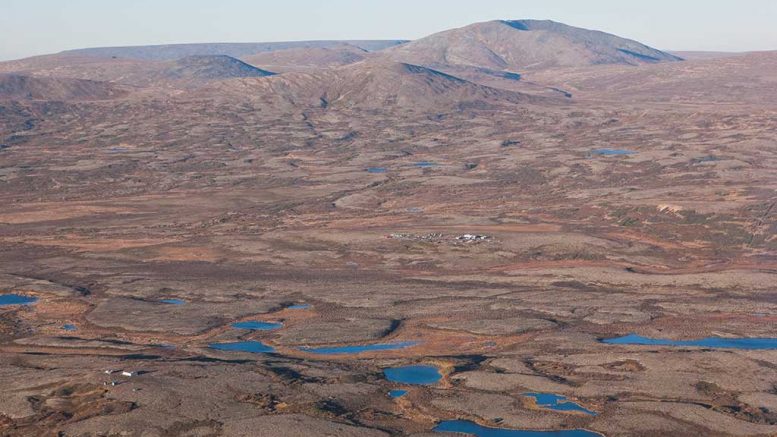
(357, 349)
(418, 375)
(710, 342)
(556, 402)
(16, 299)
(472, 428)
(255, 325)
(255, 347)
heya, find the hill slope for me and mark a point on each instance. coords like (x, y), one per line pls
(373, 84)
(745, 79)
(212, 67)
(525, 44)
(21, 87)
(308, 58)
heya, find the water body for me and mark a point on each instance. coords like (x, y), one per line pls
(69, 327)
(425, 164)
(472, 428)
(557, 403)
(376, 169)
(255, 325)
(608, 152)
(173, 301)
(418, 375)
(299, 306)
(255, 347)
(397, 393)
(16, 299)
(340, 350)
(710, 342)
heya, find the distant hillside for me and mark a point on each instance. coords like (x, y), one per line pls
(308, 58)
(374, 84)
(749, 78)
(525, 44)
(21, 87)
(704, 55)
(178, 51)
(212, 67)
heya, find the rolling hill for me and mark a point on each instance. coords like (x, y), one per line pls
(525, 44)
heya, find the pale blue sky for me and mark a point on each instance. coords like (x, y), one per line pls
(29, 27)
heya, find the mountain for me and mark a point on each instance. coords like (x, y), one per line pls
(21, 87)
(177, 51)
(373, 84)
(525, 44)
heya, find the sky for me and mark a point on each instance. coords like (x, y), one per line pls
(32, 27)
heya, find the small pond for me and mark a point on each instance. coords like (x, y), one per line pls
(557, 403)
(425, 164)
(472, 428)
(376, 169)
(69, 327)
(299, 306)
(397, 393)
(610, 152)
(418, 375)
(16, 299)
(254, 325)
(710, 342)
(357, 349)
(255, 347)
(173, 301)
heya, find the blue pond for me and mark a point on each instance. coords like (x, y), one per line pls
(420, 375)
(612, 152)
(711, 342)
(299, 306)
(376, 169)
(16, 299)
(173, 301)
(397, 393)
(467, 427)
(243, 346)
(69, 327)
(557, 403)
(424, 164)
(359, 349)
(254, 325)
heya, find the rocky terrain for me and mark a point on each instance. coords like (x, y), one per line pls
(497, 203)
